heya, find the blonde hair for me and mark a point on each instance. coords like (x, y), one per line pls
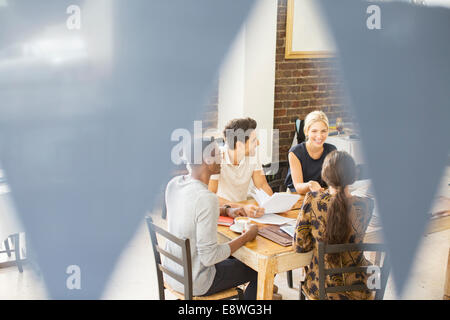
(314, 117)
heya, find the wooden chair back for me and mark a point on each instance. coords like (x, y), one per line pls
(185, 261)
(352, 247)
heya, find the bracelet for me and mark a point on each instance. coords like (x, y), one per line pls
(226, 208)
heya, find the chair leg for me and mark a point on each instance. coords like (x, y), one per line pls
(7, 248)
(290, 280)
(240, 294)
(301, 295)
(17, 251)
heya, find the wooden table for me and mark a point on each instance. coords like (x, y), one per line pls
(266, 257)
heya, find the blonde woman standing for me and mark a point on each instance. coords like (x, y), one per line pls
(306, 159)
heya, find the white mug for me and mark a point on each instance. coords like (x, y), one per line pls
(242, 223)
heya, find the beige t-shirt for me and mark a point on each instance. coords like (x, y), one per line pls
(234, 180)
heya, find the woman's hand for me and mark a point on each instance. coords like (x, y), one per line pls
(253, 211)
(314, 186)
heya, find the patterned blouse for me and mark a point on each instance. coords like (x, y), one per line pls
(310, 230)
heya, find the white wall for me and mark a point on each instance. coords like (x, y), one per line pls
(247, 78)
(309, 32)
(231, 83)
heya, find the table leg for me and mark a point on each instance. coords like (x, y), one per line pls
(266, 274)
(290, 278)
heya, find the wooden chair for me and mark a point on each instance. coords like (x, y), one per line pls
(186, 263)
(15, 238)
(299, 125)
(276, 179)
(349, 247)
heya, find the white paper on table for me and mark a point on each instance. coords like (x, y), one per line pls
(272, 218)
(277, 203)
(290, 230)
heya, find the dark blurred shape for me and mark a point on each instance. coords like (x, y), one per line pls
(398, 83)
(86, 118)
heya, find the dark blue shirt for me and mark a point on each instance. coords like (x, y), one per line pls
(311, 168)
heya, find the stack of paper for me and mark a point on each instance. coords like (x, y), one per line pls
(277, 203)
(271, 218)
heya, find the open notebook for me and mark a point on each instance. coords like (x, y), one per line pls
(277, 203)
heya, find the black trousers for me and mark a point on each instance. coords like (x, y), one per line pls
(231, 273)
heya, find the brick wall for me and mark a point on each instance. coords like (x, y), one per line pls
(210, 113)
(302, 86)
(210, 117)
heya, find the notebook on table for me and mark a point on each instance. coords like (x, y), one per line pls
(289, 229)
(275, 234)
(225, 221)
